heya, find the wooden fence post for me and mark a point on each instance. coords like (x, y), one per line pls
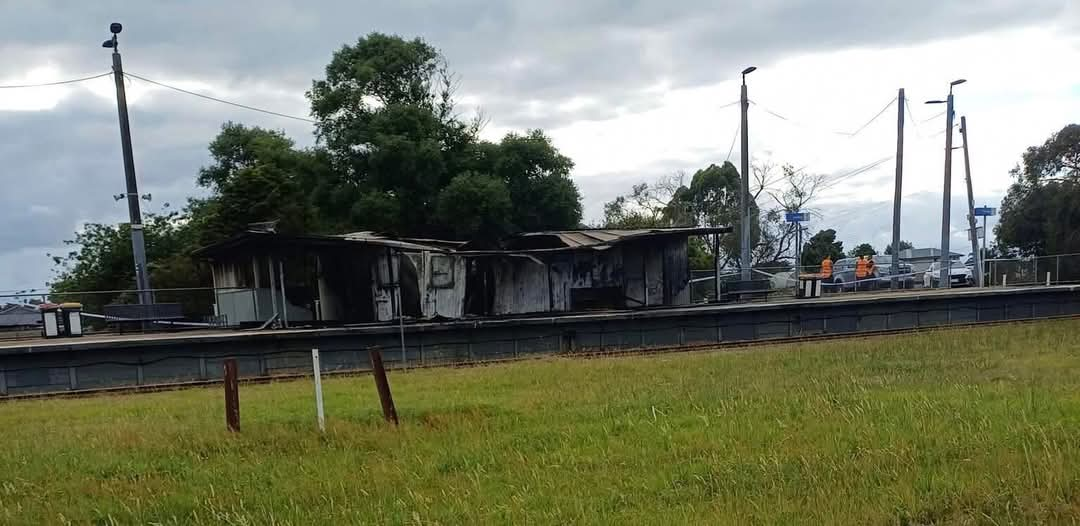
(232, 396)
(383, 386)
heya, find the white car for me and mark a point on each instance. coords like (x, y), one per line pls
(960, 275)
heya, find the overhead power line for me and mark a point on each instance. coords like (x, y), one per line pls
(936, 115)
(55, 83)
(222, 101)
(733, 139)
(846, 134)
(872, 119)
(914, 123)
(858, 171)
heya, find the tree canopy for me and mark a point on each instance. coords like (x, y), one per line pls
(862, 249)
(1040, 212)
(822, 245)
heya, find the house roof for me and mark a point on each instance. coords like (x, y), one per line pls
(924, 253)
(599, 238)
(523, 243)
(18, 315)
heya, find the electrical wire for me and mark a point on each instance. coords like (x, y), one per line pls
(222, 101)
(914, 123)
(722, 106)
(846, 134)
(872, 119)
(733, 139)
(56, 83)
(860, 170)
(936, 115)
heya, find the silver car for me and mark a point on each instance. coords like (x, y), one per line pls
(960, 275)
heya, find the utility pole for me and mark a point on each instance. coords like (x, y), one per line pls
(946, 201)
(896, 193)
(138, 243)
(744, 198)
(971, 206)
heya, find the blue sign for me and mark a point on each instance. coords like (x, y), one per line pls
(797, 217)
(985, 211)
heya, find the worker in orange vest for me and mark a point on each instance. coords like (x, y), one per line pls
(826, 268)
(860, 268)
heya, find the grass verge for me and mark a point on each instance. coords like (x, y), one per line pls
(968, 426)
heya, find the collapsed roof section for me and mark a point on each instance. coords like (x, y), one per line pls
(523, 243)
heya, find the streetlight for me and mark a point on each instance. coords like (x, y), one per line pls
(744, 197)
(138, 244)
(946, 204)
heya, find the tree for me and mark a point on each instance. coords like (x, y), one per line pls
(537, 176)
(819, 246)
(387, 116)
(256, 175)
(864, 249)
(904, 245)
(790, 190)
(662, 203)
(101, 260)
(476, 205)
(1040, 212)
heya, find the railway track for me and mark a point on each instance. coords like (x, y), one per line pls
(575, 354)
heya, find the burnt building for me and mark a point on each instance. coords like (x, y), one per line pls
(352, 278)
(573, 270)
(365, 277)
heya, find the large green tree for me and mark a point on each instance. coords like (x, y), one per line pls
(258, 175)
(1041, 211)
(863, 249)
(387, 116)
(821, 245)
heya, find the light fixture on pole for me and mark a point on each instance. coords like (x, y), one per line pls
(744, 194)
(945, 260)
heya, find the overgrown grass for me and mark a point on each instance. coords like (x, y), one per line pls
(971, 426)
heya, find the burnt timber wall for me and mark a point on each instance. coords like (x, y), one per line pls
(76, 364)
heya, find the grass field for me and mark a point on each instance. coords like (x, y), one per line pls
(969, 426)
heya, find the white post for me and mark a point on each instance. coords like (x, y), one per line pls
(1047, 279)
(318, 390)
(1004, 280)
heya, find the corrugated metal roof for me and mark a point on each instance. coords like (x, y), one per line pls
(604, 238)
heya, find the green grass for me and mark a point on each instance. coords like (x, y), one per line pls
(978, 426)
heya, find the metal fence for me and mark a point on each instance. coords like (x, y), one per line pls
(1054, 270)
(155, 360)
(197, 308)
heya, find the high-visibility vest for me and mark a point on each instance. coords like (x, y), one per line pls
(826, 268)
(860, 269)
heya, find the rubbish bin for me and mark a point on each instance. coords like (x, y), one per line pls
(72, 313)
(50, 320)
(809, 286)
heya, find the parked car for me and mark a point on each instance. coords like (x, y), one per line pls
(883, 269)
(843, 276)
(960, 275)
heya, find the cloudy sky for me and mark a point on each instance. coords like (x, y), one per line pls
(631, 90)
